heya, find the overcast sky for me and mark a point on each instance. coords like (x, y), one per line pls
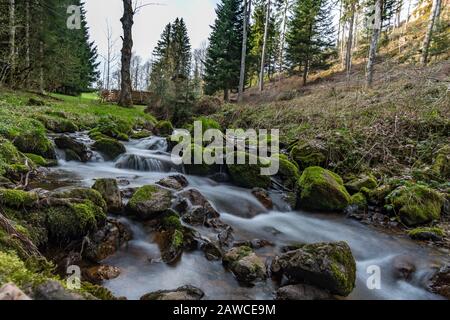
(150, 22)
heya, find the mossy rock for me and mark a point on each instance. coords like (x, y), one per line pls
(364, 181)
(35, 142)
(441, 165)
(322, 190)
(427, 233)
(58, 125)
(10, 158)
(358, 200)
(249, 175)
(416, 204)
(309, 154)
(110, 148)
(73, 221)
(288, 172)
(17, 198)
(164, 128)
(330, 266)
(246, 266)
(82, 194)
(150, 201)
(96, 135)
(109, 190)
(199, 169)
(41, 161)
(141, 134)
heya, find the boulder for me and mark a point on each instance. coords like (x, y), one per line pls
(198, 209)
(53, 290)
(302, 292)
(36, 142)
(440, 282)
(182, 293)
(329, 266)
(100, 273)
(110, 148)
(150, 201)
(81, 194)
(416, 204)
(79, 149)
(427, 234)
(309, 154)
(322, 190)
(441, 165)
(249, 175)
(403, 267)
(175, 182)
(364, 181)
(107, 240)
(110, 192)
(164, 128)
(263, 197)
(17, 198)
(288, 172)
(10, 292)
(246, 266)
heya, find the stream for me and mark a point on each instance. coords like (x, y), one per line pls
(147, 162)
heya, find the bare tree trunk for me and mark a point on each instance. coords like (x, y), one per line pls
(283, 36)
(348, 55)
(429, 35)
(125, 99)
(12, 40)
(374, 42)
(263, 54)
(398, 14)
(247, 10)
(27, 40)
(109, 56)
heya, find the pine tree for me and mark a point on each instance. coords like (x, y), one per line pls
(224, 53)
(310, 36)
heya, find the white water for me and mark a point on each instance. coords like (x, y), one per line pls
(142, 272)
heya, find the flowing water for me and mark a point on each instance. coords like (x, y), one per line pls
(147, 161)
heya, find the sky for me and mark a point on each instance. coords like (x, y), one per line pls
(149, 22)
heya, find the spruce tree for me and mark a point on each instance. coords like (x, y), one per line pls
(222, 67)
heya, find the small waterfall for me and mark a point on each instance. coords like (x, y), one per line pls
(153, 143)
(143, 163)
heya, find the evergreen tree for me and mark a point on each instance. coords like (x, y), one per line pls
(310, 36)
(224, 53)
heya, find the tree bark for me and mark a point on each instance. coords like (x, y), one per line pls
(283, 35)
(125, 99)
(12, 41)
(247, 10)
(264, 48)
(374, 42)
(27, 39)
(429, 35)
(348, 55)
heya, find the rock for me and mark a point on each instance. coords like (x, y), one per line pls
(288, 172)
(106, 241)
(249, 175)
(212, 250)
(150, 201)
(110, 148)
(329, 266)
(441, 165)
(74, 150)
(403, 267)
(302, 292)
(364, 181)
(17, 199)
(254, 244)
(263, 197)
(164, 128)
(113, 127)
(36, 142)
(110, 192)
(10, 292)
(322, 190)
(100, 273)
(82, 194)
(182, 293)
(141, 134)
(309, 154)
(245, 264)
(199, 210)
(57, 124)
(358, 203)
(199, 169)
(416, 204)
(425, 234)
(440, 282)
(175, 182)
(53, 290)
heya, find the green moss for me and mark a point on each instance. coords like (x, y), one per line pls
(172, 221)
(322, 190)
(177, 239)
(237, 253)
(208, 123)
(10, 157)
(288, 171)
(110, 148)
(416, 204)
(14, 270)
(420, 233)
(308, 155)
(74, 221)
(58, 124)
(114, 127)
(17, 198)
(142, 194)
(441, 165)
(85, 194)
(164, 128)
(249, 175)
(38, 160)
(359, 200)
(35, 142)
(141, 134)
(367, 181)
(98, 292)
